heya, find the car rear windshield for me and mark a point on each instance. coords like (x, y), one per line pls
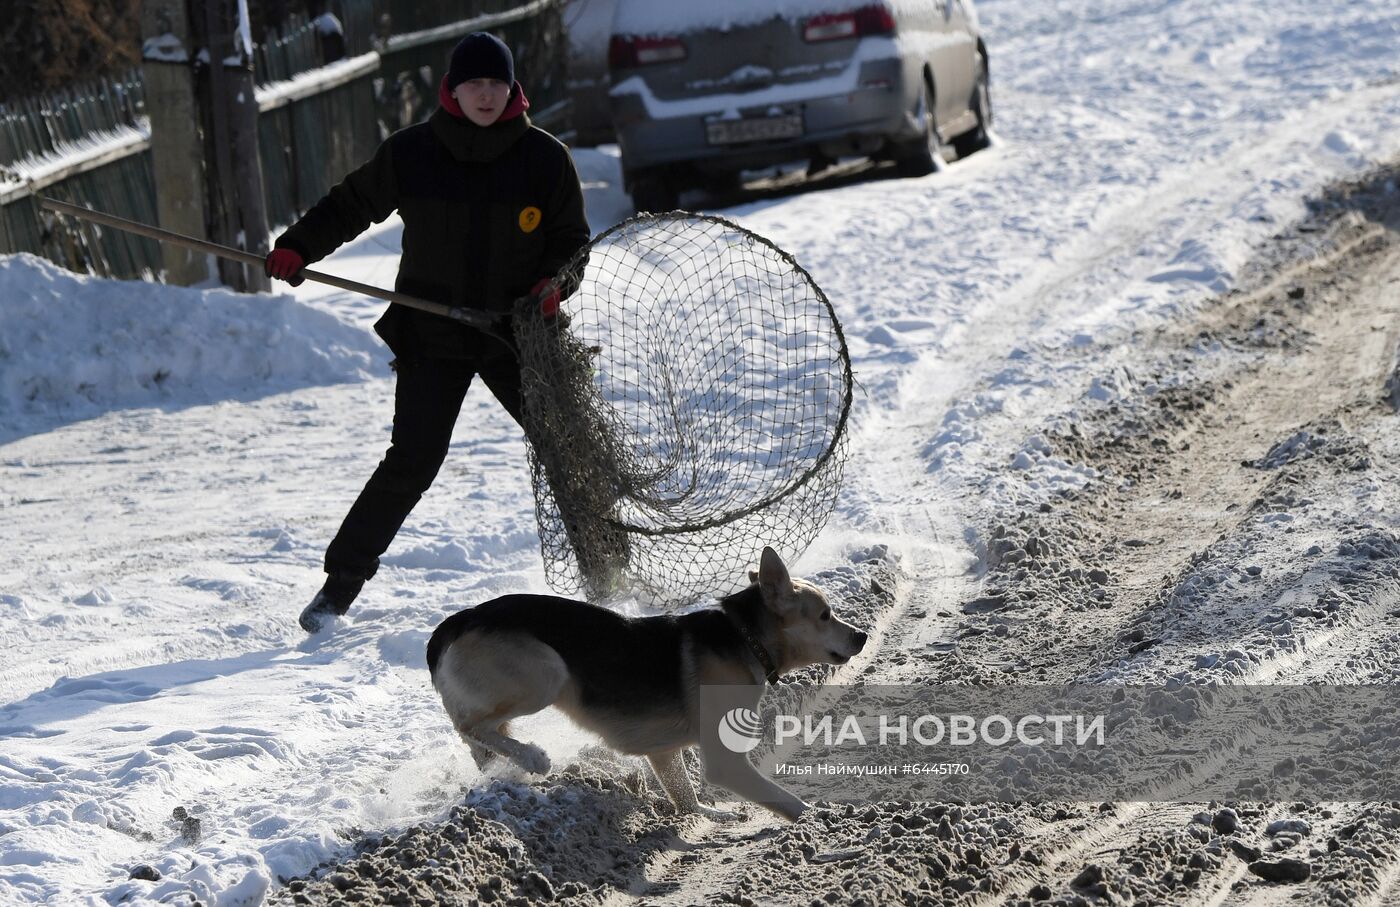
(650, 17)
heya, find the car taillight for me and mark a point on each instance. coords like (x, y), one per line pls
(631, 51)
(867, 20)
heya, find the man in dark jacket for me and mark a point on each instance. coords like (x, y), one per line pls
(492, 210)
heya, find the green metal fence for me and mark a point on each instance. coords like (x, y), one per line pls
(301, 44)
(89, 144)
(85, 144)
(408, 16)
(35, 126)
(310, 144)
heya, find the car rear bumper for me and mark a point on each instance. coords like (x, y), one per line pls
(858, 120)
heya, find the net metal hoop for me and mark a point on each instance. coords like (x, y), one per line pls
(615, 429)
(837, 435)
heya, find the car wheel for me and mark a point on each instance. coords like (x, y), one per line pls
(924, 155)
(655, 192)
(976, 139)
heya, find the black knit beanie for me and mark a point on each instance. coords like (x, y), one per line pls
(480, 56)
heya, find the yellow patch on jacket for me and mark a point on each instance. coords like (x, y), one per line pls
(530, 219)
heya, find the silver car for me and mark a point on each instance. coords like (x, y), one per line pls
(703, 90)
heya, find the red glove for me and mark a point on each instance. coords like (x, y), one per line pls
(285, 264)
(549, 301)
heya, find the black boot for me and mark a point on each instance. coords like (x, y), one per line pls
(333, 600)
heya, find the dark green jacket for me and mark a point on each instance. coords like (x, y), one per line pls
(487, 212)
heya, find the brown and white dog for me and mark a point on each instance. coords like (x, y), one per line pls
(636, 682)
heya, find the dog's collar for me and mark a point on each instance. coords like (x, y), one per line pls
(765, 660)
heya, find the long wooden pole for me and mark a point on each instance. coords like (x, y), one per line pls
(474, 317)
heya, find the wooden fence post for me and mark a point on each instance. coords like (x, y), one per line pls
(177, 155)
(247, 168)
(237, 208)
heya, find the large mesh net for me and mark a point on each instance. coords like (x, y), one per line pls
(688, 409)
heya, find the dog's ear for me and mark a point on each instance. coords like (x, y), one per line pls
(772, 576)
(753, 576)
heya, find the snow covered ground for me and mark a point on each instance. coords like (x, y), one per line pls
(173, 462)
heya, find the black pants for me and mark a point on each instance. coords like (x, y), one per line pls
(427, 398)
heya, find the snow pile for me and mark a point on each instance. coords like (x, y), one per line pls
(68, 339)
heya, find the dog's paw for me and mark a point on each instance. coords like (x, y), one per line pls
(718, 815)
(533, 759)
(484, 758)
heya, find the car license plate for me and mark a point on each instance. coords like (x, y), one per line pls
(758, 129)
